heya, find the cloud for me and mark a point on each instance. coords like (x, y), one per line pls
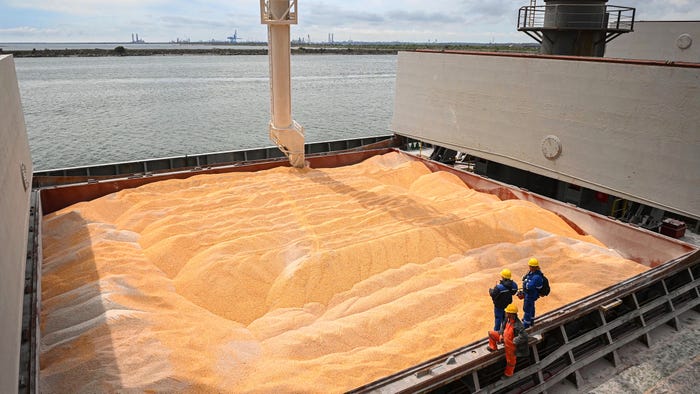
(664, 9)
(363, 20)
(179, 22)
(85, 7)
(423, 17)
(493, 7)
(323, 15)
(28, 30)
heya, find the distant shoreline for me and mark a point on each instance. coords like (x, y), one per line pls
(188, 51)
(351, 50)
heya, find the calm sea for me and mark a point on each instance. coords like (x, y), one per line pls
(84, 111)
(28, 46)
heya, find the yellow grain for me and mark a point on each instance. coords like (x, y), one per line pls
(283, 280)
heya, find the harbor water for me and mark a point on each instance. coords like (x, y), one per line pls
(85, 111)
(28, 46)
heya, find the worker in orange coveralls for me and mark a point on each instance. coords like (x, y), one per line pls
(513, 336)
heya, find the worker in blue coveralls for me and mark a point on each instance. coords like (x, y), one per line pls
(532, 283)
(502, 296)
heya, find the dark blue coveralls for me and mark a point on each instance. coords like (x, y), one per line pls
(502, 296)
(532, 283)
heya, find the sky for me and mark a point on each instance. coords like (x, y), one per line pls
(477, 21)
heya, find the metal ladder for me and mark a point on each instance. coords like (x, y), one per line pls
(531, 15)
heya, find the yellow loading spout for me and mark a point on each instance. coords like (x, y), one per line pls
(287, 134)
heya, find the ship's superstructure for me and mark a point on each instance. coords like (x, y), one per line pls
(575, 27)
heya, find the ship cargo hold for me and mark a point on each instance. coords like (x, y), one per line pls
(564, 340)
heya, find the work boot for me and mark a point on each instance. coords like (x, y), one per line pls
(489, 349)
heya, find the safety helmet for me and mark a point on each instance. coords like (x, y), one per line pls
(512, 308)
(533, 262)
(505, 273)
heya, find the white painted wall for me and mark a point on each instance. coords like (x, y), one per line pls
(630, 130)
(14, 215)
(658, 40)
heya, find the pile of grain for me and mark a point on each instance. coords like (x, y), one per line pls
(286, 280)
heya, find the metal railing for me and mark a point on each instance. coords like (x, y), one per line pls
(609, 18)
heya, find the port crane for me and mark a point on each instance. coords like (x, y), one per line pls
(234, 38)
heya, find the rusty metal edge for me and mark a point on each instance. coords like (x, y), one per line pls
(54, 198)
(139, 168)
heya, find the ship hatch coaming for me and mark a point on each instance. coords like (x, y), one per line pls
(507, 109)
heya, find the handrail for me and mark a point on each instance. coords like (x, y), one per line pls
(576, 17)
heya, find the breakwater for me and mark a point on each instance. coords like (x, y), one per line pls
(366, 49)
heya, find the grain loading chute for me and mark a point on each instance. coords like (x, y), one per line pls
(285, 132)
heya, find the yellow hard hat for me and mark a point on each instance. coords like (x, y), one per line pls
(533, 262)
(505, 273)
(512, 308)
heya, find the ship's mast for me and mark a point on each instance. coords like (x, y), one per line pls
(287, 134)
